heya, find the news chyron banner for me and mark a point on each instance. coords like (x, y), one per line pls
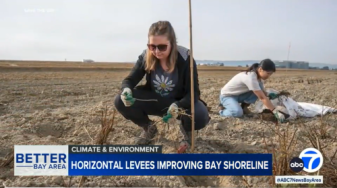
(131, 160)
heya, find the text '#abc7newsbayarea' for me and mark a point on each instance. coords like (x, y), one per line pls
(310, 160)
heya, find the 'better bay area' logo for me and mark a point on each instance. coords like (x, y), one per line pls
(40, 160)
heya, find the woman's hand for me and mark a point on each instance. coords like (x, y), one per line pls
(276, 110)
(261, 95)
(279, 116)
(173, 110)
(272, 96)
(127, 98)
(172, 113)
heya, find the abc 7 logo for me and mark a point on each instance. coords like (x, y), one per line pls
(310, 160)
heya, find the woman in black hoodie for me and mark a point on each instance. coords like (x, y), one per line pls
(167, 69)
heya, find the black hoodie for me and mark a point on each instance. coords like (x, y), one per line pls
(183, 96)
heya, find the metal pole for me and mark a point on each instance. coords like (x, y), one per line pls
(288, 50)
(288, 54)
(192, 77)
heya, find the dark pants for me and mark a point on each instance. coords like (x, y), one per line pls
(139, 111)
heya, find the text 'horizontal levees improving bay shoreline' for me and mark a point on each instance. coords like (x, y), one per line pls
(187, 165)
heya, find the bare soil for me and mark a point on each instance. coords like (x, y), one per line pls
(61, 106)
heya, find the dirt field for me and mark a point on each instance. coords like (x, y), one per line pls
(59, 104)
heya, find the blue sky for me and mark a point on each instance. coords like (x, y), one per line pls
(116, 30)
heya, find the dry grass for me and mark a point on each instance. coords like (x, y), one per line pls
(107, 126)
(102, 136)
(282, 150)
(8, 159)
(287, 140)
(320, 140)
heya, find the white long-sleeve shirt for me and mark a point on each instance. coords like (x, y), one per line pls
(241, 83)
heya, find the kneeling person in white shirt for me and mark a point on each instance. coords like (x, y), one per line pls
(245, 88)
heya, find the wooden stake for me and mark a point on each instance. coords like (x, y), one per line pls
(192, 76)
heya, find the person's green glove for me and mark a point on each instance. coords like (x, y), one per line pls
(172, 113)
(127, 98)
(279, 116)
(272, 96)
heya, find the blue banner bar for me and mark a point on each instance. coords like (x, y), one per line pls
(170, 164)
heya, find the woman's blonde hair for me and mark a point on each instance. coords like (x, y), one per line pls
(162, 28)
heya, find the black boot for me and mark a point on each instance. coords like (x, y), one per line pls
(221, 107)
(148, 133)
(245, 109)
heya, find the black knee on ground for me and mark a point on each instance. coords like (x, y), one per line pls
(118, 103)
(201, 117)
(200, 122)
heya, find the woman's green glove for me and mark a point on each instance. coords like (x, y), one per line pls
(127, 98)
(172, 113)
(272, 96)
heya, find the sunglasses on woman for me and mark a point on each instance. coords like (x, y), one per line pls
(160, 47)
